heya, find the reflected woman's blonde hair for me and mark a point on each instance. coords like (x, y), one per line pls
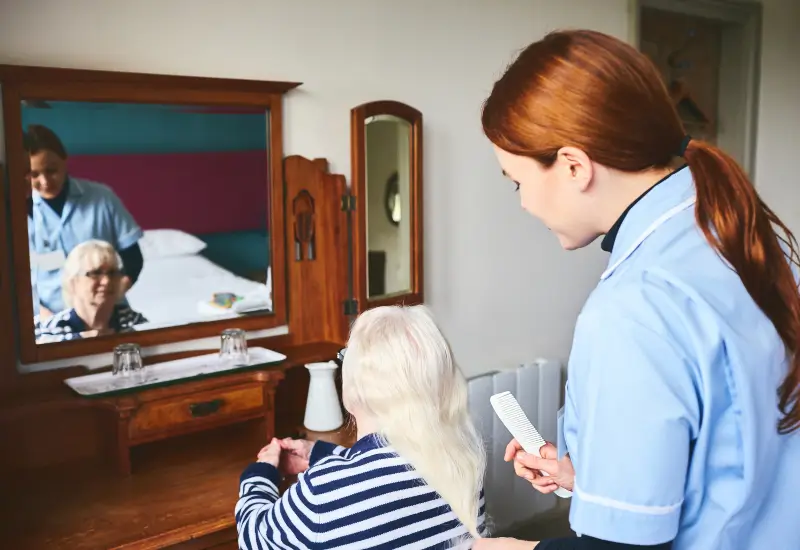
(87, 256)
(399, 370)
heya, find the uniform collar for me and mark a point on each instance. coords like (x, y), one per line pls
(675, 188)
(607, 244)
(609, 240)
(74, 189)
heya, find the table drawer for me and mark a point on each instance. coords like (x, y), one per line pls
(185, 412)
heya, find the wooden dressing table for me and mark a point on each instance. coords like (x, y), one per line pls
(159, 468)
(181, 493)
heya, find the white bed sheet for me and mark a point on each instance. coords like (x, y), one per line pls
(170, 291)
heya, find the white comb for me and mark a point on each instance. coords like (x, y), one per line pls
(514, 418)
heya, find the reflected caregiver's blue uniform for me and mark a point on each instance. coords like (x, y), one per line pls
(91, 211)
(671, 411)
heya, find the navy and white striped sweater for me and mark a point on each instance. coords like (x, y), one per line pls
(363, 497)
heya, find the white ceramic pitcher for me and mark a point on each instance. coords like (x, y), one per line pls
(323, 412)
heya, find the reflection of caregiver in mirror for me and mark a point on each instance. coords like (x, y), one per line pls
(63, 212)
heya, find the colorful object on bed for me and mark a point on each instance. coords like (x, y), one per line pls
(256, 301)
(224, 300)
(229, 304)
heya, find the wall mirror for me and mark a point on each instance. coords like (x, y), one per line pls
(143, 207)
(387, 182)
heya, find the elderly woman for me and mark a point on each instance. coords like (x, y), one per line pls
(413, 479)
(93, 286)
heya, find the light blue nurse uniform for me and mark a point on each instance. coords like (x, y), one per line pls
(671, 407)
(91, 211)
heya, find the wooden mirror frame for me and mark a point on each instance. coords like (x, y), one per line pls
(21, 82)
(7, 319)
(358, 117)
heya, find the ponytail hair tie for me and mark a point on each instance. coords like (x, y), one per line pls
(684, 144)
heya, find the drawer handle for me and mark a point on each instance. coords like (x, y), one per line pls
(206, 408)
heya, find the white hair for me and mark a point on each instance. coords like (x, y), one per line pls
(88, 255)
(399, 370)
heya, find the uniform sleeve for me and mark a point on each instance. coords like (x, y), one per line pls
(639, 411)
(125, 228)
(266, 520)
(132, 261)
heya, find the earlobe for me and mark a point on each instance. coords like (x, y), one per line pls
(580, 166)
(583, 176)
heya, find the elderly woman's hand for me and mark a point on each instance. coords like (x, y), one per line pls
(530, 467)
(271, 454)
(295, 456)
(95, 333)
(44, 313)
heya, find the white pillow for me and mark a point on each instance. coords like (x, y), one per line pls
(168, 243)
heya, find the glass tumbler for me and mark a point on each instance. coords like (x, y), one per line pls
(233, 346)
(128, 362)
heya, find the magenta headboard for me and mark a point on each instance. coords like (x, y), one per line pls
(198, 193)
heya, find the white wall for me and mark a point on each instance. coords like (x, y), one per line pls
(777, 146)
(496, 279)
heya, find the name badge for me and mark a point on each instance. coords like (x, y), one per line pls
(49, 261)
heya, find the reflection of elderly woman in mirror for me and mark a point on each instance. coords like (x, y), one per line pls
(93, 288)
(413, 479)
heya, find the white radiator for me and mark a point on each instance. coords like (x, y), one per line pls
(537, 386)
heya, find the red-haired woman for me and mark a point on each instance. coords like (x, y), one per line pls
(682, 412)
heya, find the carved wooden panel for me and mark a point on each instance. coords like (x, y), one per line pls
(304, 230)
(317, 289)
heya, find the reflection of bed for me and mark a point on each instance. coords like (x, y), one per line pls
(171, 290)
